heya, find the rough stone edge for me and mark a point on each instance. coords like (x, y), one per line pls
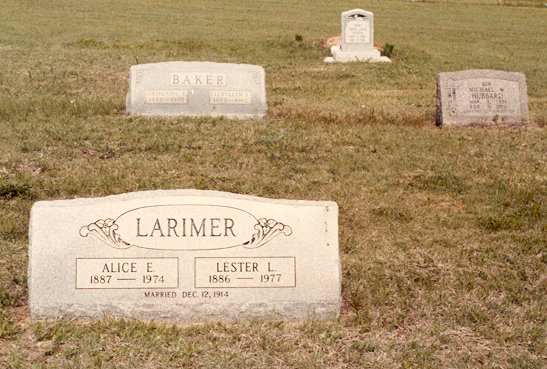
(438, 101)
(198, 63)
(483, 123)
(151, 194)
(333, 239)
(212, 115)
(202, 313)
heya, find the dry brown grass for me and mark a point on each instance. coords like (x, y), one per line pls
(442, 232)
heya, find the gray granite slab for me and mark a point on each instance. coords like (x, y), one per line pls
(481, 97)
(184, 256)
(197, 89)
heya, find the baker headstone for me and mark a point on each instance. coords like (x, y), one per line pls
(481, 97)
(357, 41)
(197, 89)
(184, 256)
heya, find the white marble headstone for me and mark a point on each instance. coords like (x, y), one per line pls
(357, 40)
(197, 89)
(184, 256)
(357, 30)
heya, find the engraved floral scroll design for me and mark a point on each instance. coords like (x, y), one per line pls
(106, 231)
(267, 229)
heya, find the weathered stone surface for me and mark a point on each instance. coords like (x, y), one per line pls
(184, 256)
(481, 97)
(357, 39)
(197, 89)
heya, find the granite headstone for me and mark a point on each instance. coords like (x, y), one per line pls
(482, 98)
(197, 89)
(184, 256)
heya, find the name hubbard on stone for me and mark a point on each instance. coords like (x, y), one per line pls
(481, 98)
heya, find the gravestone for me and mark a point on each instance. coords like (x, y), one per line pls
(357, 40)
(184, 256)
(197, 89)
(481, 97)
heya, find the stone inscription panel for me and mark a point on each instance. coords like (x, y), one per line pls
(230, 97)
(273, 272)
(197, 89)
(481, 96)
(126, 273)
(357, 32)
(184, 256)
(166, 97)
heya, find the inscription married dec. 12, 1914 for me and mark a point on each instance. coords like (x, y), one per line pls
(481, 97)
(184, 256)
(197, 89)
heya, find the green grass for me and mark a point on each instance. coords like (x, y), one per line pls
(442, 232)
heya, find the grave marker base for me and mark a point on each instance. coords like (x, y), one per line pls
(369, 56)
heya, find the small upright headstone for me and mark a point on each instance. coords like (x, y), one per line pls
(481, 97)
(357, 41)
(197, 89)
(184, 256)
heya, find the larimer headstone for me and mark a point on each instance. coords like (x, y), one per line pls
(197, 89)
(481, 97)
(184, 256)
(357, 40)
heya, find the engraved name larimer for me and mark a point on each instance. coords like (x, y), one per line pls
(172, 227)
(137, 224)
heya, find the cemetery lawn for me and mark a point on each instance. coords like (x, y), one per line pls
(442, 231)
